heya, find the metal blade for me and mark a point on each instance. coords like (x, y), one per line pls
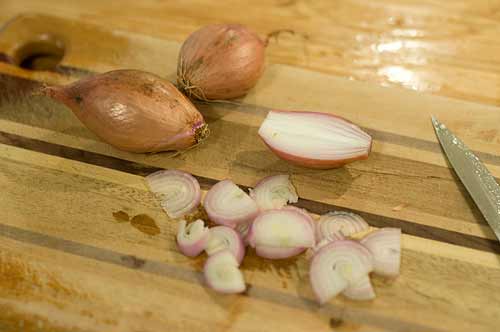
(479, 182)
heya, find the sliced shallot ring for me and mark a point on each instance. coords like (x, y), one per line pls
(325, 241)
(338, 266)
(385, 245)
(222, 274)
(274, 192)
(312, 139)
(179, 192)
(226, 204)
(243, 229)
(222, 238)
(339, 223)
(193, 238)
(361, 290)
(281, 229)
(277, 253)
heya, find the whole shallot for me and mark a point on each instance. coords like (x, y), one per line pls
(133, 111)
(220, 61)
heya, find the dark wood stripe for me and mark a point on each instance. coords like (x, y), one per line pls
(12, 86)
(131, 167)
(164, 269)
(73, 71)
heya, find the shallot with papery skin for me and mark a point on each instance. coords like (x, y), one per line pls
(223, 237)
(385, 245)
(192, 239)
(226, 204)
(274, 192)
(133, 111)
(281, 229)
(179, 192)
(339, 224)
(220, 61)
(315, 140)
(337, 266)
(222, 274)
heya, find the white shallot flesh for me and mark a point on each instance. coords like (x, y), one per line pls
(179, 192)
(222, 274)
(243, 229)
(361, 290)
(337, 266)
(274, 192)
(339, 224)
(385, 245)
(304, 212)
(281, 229)
(227, 204)
(277, 253)
(315, 140)
(222, 238)
(193, 238)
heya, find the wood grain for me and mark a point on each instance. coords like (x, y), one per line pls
(97, 237)
(446, 48)
(84, 245)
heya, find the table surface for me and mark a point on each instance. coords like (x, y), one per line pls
(447, 48)
(80, 266)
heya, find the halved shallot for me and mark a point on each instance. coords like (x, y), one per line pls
(361, 290)
(312, 139)
(179, 192)
(226, 204)
(281, 229)
(222, 274)
(337, 266)
(223, 237)
(339, 224)
(193, 238)
(385, 245)
(274, 192)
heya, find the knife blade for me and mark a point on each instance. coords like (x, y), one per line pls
(476, 178)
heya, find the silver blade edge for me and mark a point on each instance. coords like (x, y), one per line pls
(476, 178)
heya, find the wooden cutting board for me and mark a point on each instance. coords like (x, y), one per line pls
(85, 247)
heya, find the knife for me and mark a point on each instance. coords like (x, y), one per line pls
(476, 178)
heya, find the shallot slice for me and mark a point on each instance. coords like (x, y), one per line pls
(226, 204)
(243, 229)
(361, 290)
(192, 239)
(337, 266)
(277, 253)
(179, 192)
(330, 238)
(222, 274)
(222, 238)
(312, 139)
(274, 192)
(385, 245)
(281, 229)
(339, 224)
(305, 213)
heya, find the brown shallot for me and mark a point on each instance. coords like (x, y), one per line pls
(133, 111)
